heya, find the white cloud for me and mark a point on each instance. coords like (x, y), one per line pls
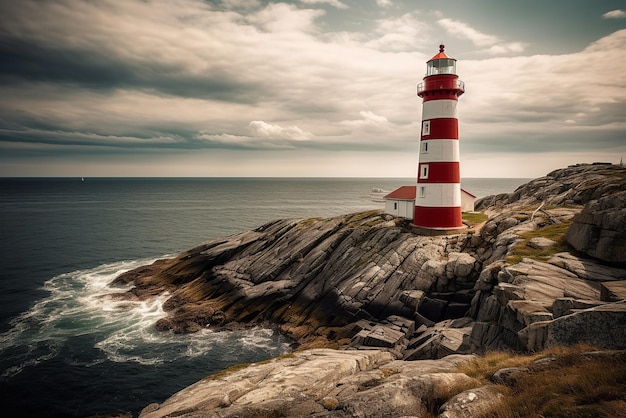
(615, 14)
(528, 105)
(267, 130)
(491, 43)
(503, 48)
(404, 33)
(463, 30)
(384, 3)
(370, 119)
(282, 17)
(334, 3)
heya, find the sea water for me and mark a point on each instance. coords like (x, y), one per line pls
(66, 347)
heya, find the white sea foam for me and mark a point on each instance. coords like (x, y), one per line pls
(80, 309)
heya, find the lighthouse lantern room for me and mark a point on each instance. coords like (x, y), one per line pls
(438, 194)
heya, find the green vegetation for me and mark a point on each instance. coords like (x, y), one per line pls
(356, 220)
(474, 218)
(237, 367)
(308, 222)
(555, 232)
(570, 385)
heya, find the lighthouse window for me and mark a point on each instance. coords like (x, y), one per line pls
(422, 191)
(424, 171)
(441, 66)
(424, 147)
(425, 128)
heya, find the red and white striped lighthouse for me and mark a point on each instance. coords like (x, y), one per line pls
(438, 194)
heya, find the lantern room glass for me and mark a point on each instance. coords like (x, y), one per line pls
(441, 66)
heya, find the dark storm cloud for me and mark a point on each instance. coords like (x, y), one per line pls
(26, 61)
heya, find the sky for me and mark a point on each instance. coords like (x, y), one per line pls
(304, 88)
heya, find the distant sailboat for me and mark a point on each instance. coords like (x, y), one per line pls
(82, 179)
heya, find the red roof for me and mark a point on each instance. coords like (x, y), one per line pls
(409, 193)
(466, 192)
(440, 55)
(402, 193)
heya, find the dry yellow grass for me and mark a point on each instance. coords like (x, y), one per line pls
(573, 384)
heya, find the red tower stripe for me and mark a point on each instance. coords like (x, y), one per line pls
(443, 128)
(440, 172)
(438, 217)
(440, 82)
(439, 95)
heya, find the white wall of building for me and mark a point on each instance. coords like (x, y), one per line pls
(467, 202)
(401, 208)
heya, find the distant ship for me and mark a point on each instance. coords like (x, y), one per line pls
(377, 194)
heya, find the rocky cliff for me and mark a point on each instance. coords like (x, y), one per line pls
(548, 267)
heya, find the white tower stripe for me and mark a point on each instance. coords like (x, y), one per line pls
(434, 109)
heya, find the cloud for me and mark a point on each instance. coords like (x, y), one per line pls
(547, 103)
(188, 77)
(615, 14)
(267, 130)
(404, 33)
(334, 3)
(463, 30)
(370, 119)
(384, 3)
(490, 43)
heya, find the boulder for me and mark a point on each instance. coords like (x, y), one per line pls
(540, 243)
(444, 339)
(613, 291)
(528, 311)
(601, 326)
(431, 271)
(460, 264)
(567, 306)
(587, 268)
(507, 376)
(546, 282)
(412, 298)
(600, 229)
(471, 403)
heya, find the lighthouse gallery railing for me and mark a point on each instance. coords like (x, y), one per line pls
(458, 84)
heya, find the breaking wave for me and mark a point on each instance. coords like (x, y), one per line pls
(80, 316)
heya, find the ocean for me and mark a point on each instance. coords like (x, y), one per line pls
(68, 350)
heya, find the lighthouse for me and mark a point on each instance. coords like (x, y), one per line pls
(438, 192)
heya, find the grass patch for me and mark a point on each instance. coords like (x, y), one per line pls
(572, 385)
(555, 232)
(356, 219)
(372, 223)
(308, 222)
(238, 367)
(474, 218)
